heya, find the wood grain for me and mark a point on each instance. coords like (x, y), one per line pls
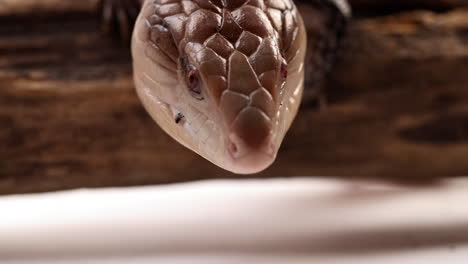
(69, 117)
(9, 7)
(390, 6)
(359, 6)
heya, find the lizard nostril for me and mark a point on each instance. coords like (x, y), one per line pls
(246, 158)
(233, 148)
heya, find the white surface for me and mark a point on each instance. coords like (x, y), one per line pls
(250, 221)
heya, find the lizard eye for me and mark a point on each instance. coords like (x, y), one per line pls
(194, 85)
(284, 72)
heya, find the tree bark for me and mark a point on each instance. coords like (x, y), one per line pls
(69, 116)
(386, 6)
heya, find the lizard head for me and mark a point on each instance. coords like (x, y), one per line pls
(225, 80)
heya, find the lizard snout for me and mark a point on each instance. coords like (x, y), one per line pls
(250, 143)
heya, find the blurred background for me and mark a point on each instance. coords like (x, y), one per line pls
(287, 221)
(69, 117)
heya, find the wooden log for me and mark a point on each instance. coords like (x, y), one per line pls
(389, 6)
(69, 116)
(10, 7)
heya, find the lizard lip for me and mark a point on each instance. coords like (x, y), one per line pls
(248, 159)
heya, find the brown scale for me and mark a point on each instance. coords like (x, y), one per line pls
(225, 27)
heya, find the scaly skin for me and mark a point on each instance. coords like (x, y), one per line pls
(225, 77)
(237, 53)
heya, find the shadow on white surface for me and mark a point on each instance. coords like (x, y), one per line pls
(245, 221)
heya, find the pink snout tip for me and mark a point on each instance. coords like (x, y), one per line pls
(250, 158)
